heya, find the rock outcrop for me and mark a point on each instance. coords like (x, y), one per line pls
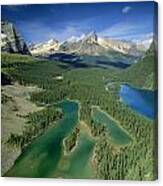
(12, 41)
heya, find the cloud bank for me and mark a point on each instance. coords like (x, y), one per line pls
(126, 9)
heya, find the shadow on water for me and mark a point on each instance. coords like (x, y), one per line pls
(75, 61)
(120, 65)
(69, 60)
(65, 57)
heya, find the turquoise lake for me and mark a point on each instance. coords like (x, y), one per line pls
(41, 157)
(117, 134)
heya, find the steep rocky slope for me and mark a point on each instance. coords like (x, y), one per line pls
(12, 41)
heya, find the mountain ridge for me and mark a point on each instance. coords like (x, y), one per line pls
(91, 44)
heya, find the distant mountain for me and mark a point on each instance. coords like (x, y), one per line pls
(91, 44)
(88, 44)
(75, 38)
(12, 41)
(46, 48)
(145, 43)
(122, 46)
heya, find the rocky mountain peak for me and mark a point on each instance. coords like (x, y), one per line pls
(73, 39)
(52, 41)
(87, 44)
(91, 37)
(12, 40)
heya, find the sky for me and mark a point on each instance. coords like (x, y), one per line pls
(122, 20)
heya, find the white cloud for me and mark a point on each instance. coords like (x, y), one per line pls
(39, 31)
(119, 29)
(125, 30)
(66, 32)
(126, 9)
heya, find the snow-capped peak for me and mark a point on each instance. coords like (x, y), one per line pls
(145, 41)
(3, 35)
(51, 41)
(73, 39)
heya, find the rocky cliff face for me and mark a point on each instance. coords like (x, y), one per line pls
(12, 41)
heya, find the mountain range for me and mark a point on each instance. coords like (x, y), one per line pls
(89, 44)
(89, 47)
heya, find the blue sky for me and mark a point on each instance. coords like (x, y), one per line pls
(37, 23)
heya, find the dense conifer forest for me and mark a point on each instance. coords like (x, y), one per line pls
(134, 161)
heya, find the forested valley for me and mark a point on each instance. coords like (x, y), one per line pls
(134, 161)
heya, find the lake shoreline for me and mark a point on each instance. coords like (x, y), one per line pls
(142, 101)
(116, 122)
(20, 101)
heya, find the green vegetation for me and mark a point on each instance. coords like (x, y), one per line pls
(41, 157)
(5, 98)
(105, 125)
(70, 140)
(78, 164)
(37, 124)
(144, 73)
(111, 161)
(15, 59)
(15, 106)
